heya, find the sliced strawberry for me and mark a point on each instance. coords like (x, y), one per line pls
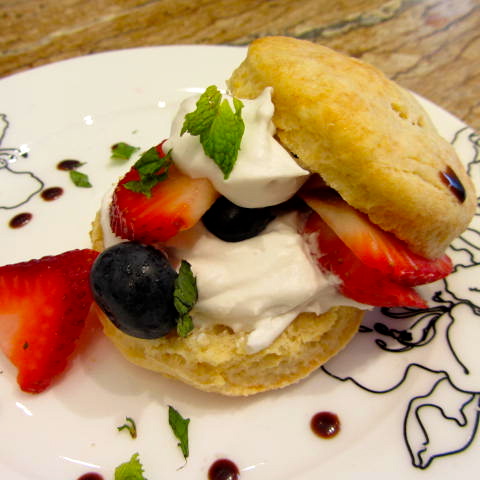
(176, 203)
(375, 247)
(43, 307)
(358, 281)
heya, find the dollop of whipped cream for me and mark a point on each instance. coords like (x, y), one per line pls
(258, 285)
(264, 174)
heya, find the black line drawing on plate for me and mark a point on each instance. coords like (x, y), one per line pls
(13, 194)
(434, 351)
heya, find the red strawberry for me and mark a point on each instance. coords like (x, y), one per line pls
(43, 307)
(358, 281)
(175, 204)
(375, 247)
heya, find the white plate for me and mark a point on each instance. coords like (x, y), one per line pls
(430, 405)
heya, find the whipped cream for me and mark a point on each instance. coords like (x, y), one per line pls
(257, 285)
(264, 174)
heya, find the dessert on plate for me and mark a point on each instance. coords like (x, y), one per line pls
(241, 253)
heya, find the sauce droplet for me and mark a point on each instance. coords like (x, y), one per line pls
(223, 469)
(450, 179)
(69, 164)
(91, 476)
(52, 193)
(325, 424)
(20, 220)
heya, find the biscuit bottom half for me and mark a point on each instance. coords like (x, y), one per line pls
(215, 359)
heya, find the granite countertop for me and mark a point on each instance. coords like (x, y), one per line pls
(429, 46)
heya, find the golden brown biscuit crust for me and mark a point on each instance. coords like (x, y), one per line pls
(215, 359)
(367, 137)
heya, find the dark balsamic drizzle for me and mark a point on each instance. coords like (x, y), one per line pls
(325, 424)
(69, 164)
(20, 220)
(91, 476)
(223, 469)
(52, 193)
(450, 179)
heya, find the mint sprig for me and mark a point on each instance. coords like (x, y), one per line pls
(219, 127)
(131, 470)
(149, 167)
(185, 295)
(179, 426)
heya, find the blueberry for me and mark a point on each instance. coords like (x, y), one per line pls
(232, 223)
(133, 284)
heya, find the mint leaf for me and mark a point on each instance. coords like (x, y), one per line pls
(131, 470)
(146, 184)
(207, 105)
(151, 162)
(185, 295)
(130, 426)
(219, 127)
(222, 141)
(80, 179)
(122, 151)
(149, 167)
(179, 426)
(184, 325)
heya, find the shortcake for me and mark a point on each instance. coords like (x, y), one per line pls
(241, 253)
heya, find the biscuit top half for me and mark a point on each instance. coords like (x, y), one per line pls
(368, 138)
